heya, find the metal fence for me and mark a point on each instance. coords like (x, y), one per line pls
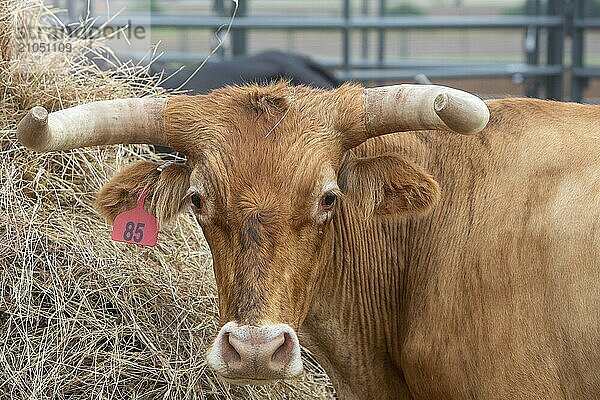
(580, 24)
(546, 26)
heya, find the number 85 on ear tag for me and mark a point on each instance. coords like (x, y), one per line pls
(136, 226)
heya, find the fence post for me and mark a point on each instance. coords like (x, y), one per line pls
(71, 10)
(240, 35)
(364, 50)
(578, 83)
(555, 49)
(219, 9)
(346, 37)
(532, 48)
(381, 37)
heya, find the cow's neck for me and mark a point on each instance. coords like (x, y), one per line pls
(357, 313)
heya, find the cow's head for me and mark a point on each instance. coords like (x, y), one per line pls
(267, 170)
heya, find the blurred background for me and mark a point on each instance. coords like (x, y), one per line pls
(495, 48)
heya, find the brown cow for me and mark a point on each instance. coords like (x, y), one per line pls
(422, 265)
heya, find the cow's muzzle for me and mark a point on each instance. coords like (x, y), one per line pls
(255, 355)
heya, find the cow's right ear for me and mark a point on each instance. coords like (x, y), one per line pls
(166, 190)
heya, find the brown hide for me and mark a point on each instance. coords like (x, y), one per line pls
(495, 293)
(492, 294)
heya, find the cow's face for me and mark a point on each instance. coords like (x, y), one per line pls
(266, 175)
(265, 221)
(264, 189)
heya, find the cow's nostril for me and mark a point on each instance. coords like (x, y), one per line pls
(283, 353)
(228, 351)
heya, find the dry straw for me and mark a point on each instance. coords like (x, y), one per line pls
(82, 317)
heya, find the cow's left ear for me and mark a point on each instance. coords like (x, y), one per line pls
(166, 190)
(387, 184)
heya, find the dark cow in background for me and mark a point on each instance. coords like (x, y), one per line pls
(416, 265)
(265, 67)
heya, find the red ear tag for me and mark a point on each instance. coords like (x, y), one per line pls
(136, 226)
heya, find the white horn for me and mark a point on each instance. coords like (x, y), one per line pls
(120, 121)
(402, 108)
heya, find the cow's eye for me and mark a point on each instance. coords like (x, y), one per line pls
(197, 201)
(328, 201)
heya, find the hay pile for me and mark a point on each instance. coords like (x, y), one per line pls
(82, 317)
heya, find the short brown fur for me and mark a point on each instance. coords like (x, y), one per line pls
(489, 293)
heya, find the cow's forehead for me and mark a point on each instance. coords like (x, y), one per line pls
(276, 119)
(274, 148)
(277, 138)
(258, 171)
(276, 125)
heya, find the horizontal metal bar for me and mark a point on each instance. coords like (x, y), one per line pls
(467, 72)
(586, 72)
(587, 23)
(423, 65)
(478, 22)
(412, 64)
(406, 70)
(591, 100)
(261, 22)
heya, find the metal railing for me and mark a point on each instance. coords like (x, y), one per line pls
(543, 72)
(581, 72)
